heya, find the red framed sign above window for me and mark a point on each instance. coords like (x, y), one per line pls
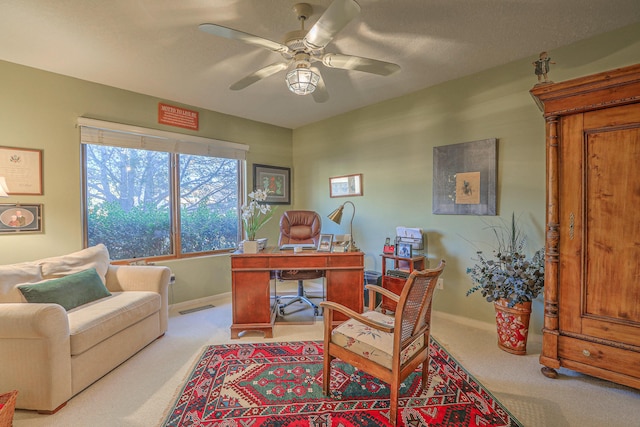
(178, 116)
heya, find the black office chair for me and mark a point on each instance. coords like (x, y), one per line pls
(299, 227)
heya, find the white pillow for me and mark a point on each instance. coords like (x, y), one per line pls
(94, 257)
(15, 274)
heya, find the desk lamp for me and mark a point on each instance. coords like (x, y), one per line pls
(336, 216)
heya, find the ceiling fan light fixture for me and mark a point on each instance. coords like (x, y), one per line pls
(303, 48)
(302, 80)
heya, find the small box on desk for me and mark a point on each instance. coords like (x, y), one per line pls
(339, 247)
(340, 242)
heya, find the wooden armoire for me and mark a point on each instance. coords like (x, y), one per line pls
(592, 269)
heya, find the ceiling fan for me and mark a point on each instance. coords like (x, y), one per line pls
(301, 49)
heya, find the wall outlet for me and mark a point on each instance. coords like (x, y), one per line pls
(440, 284)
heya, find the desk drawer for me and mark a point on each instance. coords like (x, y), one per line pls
(354, 260)
(249, 262)
(298, 262)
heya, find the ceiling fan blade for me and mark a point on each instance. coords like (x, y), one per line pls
(230, 33)
(335, 18)
(259, 75)
(320, 95)
(348, 62)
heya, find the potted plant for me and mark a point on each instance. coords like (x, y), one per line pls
(510, 280)
(255, 214)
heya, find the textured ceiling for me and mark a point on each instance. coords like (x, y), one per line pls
(154, 47)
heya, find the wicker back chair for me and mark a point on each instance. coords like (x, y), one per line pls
(387, 347)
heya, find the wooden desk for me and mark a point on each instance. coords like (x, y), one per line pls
(253, 293)
(395, 284)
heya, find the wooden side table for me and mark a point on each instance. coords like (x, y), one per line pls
(395, 284)
(418, 262)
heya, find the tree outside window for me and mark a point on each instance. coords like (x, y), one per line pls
(131, 202)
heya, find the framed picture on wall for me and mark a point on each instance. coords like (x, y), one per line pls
(465, 178)
(18, 218)
(22, 170)
(345, 186)
(276, 181)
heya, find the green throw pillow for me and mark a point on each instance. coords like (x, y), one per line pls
(69, 291)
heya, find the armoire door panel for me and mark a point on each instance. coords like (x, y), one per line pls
(612, 281)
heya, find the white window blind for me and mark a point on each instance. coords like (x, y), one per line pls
(119, 135)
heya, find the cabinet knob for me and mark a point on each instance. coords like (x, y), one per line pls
(586, 352)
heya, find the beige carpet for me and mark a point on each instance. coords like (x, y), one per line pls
(138, 393)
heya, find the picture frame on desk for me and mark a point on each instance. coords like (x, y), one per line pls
(324, 244)
(404, 250)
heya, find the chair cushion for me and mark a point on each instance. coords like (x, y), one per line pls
(371, 343)
(92, 323)
(69, 291)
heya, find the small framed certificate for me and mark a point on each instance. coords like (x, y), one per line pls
(22, 170)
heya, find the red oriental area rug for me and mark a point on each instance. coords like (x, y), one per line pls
(280, 384)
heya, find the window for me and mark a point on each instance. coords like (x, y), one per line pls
(149, 193)
(209, 216)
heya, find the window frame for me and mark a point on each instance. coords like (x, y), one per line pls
(176, 143)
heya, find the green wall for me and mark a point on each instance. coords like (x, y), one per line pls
(39, 110)
(390, 143)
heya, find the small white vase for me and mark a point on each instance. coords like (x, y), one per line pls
(250, 246)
